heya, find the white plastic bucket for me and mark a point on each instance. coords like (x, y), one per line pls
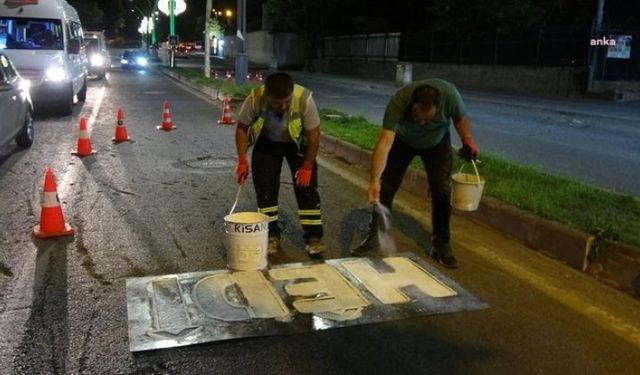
(467, 189)
(246, 240)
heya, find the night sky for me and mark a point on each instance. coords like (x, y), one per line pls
(358, 16)
(190, 24)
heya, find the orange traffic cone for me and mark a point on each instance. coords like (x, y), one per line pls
(121, 130)
(167, 124)
(226, 118)
(84, 143)
(52, 222)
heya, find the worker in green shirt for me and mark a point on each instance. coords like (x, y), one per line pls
(416, 123)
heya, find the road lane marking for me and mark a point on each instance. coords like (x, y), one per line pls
(602, 318)
(96, 107)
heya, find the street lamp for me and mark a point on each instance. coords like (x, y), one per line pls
(146, 27)
(143, 29)
(172, 8)
(207, 41)
(149, 12)
(242, 60)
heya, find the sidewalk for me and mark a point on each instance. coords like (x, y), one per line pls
(614, 264)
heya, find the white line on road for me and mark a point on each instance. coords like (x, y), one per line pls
(63, 180)
(96, 107)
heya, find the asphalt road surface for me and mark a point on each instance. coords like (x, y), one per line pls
(156, 206)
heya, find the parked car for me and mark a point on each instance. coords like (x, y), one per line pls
(184, 50)
(134, 59)
(99, 59)
(15, 106)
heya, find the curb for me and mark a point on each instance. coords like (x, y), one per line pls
(614, 264)
(210, 92)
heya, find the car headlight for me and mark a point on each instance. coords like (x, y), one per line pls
(124, 61)
(25, 84)
(142, 61)
(96, 60)
(55, 74)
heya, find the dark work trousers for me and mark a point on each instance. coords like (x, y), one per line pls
(437, 162)
(266, 164)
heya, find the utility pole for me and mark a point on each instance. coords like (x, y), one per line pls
(242, 60)
(593, 56)
(172, 17)
(207, 41)
(153, 20)
(172, 32)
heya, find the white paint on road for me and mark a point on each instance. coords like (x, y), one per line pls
(604, 319)
(96, 107)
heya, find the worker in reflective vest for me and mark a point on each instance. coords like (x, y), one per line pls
(281, 121)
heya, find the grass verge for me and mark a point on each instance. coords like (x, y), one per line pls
(605, 214)
(230, 88)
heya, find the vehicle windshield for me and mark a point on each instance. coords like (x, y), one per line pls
(93, 45)
(132, 54)
(30, 34)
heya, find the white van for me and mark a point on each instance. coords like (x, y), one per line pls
(44, 40)
(99, 59)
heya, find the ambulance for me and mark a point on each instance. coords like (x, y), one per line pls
(44, 40)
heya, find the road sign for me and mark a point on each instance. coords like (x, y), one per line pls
(173, 40)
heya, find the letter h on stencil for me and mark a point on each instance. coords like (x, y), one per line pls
(386, 286)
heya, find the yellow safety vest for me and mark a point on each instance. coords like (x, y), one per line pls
(299, 102)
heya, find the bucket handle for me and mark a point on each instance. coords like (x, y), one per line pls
(237, 198)
(474, 168)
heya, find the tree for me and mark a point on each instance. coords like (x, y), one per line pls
(114, 14)
(215, 28)
(90, 14)
(461, 18)
(307, 19)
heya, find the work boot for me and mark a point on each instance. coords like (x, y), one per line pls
(273, 245)
(369, 245)
(443, 254)
(314, 246)
(378, 224)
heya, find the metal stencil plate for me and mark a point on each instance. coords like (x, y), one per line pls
(198, 307)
